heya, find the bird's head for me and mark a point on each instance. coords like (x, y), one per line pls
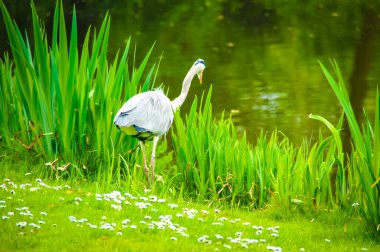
(199, 65)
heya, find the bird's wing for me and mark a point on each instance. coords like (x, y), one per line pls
(149, 111)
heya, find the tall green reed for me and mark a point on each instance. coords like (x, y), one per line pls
(364, 161)
(217, 164)
(59, 101)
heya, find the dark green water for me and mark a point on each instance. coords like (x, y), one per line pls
(261, 55)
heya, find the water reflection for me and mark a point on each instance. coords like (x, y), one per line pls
(261, 55)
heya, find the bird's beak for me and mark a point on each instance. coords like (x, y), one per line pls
(200, 75)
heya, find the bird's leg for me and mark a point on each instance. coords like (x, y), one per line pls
(146, 169)
(155, 141)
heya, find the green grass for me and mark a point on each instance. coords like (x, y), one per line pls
(62, 199)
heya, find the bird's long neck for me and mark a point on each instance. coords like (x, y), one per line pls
(177, 102)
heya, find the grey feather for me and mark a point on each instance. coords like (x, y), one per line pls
(149, 110)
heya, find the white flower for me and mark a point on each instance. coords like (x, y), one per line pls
(117, 207)
(250, 241)
(27, 213)
(235, 240)
(239, 234)
(244, 245)
(21, 224)
(34, 225)
(82, 220)
(142, 205)
(355, 204)
(202, 239)
(106, 226)
(217, 224)
(173, 206)
(153, 198)
(23, 186)
(218, 236)
(273, 248)
(147, 190)
(45, 185)
(183, 234)
(205, 211)
(257, 227)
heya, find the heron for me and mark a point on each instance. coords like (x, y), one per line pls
(148, 115)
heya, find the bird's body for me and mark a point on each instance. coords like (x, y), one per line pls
(149, 115)
(145, 115)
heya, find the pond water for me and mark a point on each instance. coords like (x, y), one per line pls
(262, 56)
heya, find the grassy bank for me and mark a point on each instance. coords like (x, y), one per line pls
(40, 215)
